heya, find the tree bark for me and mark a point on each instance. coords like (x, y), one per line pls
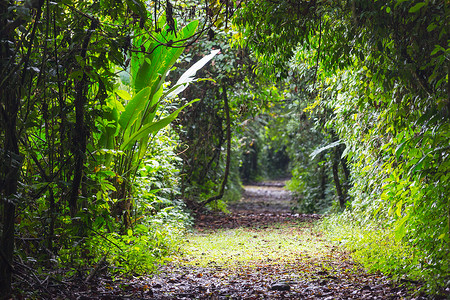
(80, 128)
(341, 188)
(10, 159)
(228, 159)
(11, 162)
(337, 184)
(9, 191)
(323, 181)
(345, 168)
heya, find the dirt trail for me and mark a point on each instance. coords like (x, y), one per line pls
(262, 204)
(271, 197)
(263, 250)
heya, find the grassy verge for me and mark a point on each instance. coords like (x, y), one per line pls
(378, 250)
(250, 246)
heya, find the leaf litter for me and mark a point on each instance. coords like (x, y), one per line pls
(261, 250)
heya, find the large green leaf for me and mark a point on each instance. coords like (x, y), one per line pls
(188, 76)
(152, 128)
(151, 107)
(110, 120)
(111, 127)
(321, 149)
(143, 142)
(134, 108)
(147, 74)
(183, 34)
(417, 7)
(154, 67)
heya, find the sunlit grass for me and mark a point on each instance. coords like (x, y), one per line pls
(377, 250)
(283, 244)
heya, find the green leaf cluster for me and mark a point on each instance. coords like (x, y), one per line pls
(379, 82)
(91, 155)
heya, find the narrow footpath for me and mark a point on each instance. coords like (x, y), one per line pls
(262, 250)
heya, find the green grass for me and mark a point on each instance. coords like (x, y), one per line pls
(282, 243)
(378, 250)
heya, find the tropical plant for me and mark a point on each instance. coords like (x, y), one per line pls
(127, 130)
(70, 145)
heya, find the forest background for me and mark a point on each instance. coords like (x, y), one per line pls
(351, 99)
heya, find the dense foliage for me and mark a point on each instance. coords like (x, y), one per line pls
(85, 175)
(203, 127)
(380, 84)
(351, 96)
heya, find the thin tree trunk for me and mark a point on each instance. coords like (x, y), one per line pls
(337, 184)
(323, 182)
(80, 128)
(341, 188)
(228, 159)
(344, 164)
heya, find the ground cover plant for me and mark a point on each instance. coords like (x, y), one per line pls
(249, 246)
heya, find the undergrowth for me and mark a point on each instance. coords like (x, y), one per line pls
(379, 250)
(142, 249)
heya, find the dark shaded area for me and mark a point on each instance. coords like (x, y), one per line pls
(261, 160)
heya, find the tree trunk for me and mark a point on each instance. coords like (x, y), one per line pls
(10, 159)
(323, 182)
(337, 184)
(228, 159)
(344, 164)
(9, 213)
(337, 181)
(341, 188)
(80, 128)
(10, 164)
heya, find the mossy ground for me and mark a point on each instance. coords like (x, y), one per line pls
(278, 244)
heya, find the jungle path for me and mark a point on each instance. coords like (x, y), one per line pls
(262, 250)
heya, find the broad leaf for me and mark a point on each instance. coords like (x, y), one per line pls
(188, 76)
(152, 128)
(417, 7)
(183, 34)
(124, 95)
(151, 107)
(147, 73)
(320, 150)
(154, 67)
(134, 108)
